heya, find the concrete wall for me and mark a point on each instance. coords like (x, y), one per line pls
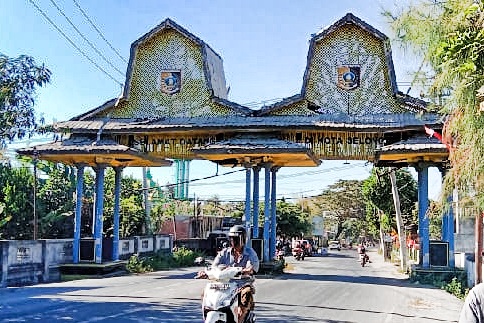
(126, 248)
(56, 252)
(464, 239)
(26, 262)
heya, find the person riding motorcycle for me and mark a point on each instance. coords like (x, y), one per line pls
(240, 255)
(362, 251)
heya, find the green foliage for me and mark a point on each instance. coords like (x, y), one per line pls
(137, 264)
(450, 38)
(132, 214)
(434, 213)
(453, 281)
(55, 225)
(19, 78)
(377, 192)
(183, 257)
(162, 261)
(352, 229)
(55, 202)
(345, 201)
(291, 220)
(16, 194)
(455, 288)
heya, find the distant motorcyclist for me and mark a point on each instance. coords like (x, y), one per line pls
(362, 251)
(240, 255)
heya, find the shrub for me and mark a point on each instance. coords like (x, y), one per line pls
(138, 265)
(183, 257)
(455, 288)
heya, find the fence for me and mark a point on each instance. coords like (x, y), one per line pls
(26, 262)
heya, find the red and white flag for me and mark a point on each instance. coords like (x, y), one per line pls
(433, 133)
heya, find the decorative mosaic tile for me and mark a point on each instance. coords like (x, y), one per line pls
(157, 61)
(350, 47)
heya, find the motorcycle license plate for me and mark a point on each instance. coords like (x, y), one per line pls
(218, 286)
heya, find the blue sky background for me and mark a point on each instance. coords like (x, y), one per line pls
(263, 44)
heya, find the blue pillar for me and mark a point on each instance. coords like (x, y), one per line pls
(247, 205)
(450, 232)
(187, 176)
(182, 179)
(117, 198)
(423, 220)
(98, 223)
(255, 201)
(448, 224)
(267, 194)
(272, 243)
(77, 217)
(177, 190)
(445, 225)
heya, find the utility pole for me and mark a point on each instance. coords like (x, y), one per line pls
(195, 214)
(478, 249)
(400, 226)
(36, 227)
(147, 224)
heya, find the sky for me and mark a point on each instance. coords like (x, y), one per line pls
(263, 44)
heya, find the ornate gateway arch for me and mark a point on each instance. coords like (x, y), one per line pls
(175, 105)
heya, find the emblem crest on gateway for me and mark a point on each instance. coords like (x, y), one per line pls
(348, 77)
(170, 82)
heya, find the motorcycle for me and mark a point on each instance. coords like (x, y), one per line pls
(280, 255)
(363, 259)
(298, 253)
(221, 295)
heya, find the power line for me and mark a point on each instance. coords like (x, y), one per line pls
(98, 31)
(281, 177)
(84, 37)
(191, 180)
(73, 44)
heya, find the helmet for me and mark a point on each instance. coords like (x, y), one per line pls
(238, 231)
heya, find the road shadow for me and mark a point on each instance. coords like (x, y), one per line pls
(102, 309)
(328, 255)
(187, 275)
(371, 280)
(267, 307)
(265, 313)
(38, 290)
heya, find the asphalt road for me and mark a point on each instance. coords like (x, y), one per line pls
(332, 289)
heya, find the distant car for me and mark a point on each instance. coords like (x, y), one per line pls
(334, 245)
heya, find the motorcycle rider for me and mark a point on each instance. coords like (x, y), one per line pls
(362, 251)
(240, 255)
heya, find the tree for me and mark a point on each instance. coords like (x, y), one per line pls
(132, 213)
(435, 216)
(55, 201)
(291, 220)
(16, 194)
(345, 201)
(19, 78)
(377, 192)
(449, 36)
